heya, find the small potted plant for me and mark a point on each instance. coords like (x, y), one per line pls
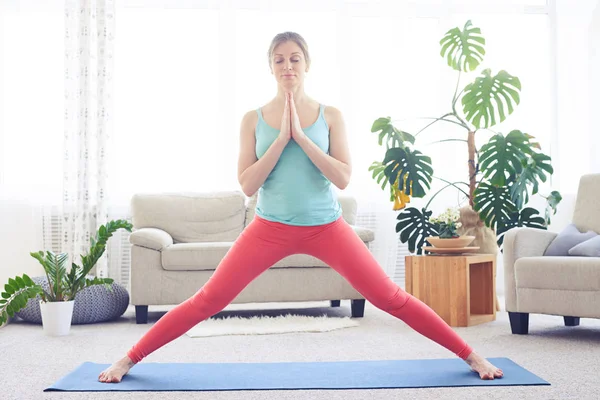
(447, 224)
(56, 304)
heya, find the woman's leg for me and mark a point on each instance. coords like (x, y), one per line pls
(259, 246)
(340, 247)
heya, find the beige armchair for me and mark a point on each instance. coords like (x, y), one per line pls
(567, 286)
(179, 240)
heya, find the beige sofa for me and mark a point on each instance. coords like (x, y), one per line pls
(567, 286)
(179, 239)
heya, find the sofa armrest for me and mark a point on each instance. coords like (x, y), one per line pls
(365, 234)
(518, 243)
(152, 238)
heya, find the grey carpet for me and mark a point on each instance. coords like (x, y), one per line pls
(567, 357)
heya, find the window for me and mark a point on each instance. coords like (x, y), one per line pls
(32, 92)
(181, 90)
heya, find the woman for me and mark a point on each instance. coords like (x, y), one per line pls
(293, 168)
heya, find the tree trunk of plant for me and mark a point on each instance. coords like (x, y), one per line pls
(472, 177)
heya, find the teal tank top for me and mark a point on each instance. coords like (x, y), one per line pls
(296, 192)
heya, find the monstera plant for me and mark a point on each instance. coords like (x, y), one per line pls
(503, 174)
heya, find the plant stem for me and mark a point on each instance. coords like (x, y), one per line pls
(491, 130)
(433, 122)
(448, 184)
(50, 295)
(448, 140)
(436, 119)
(455, 122)
(455, 97)
(472, 171)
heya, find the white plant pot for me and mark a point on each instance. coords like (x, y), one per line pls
(56, 317)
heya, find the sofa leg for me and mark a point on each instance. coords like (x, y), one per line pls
(571, 321)
(335, 303)
(519, 322)
(141, 314)
(358, 308)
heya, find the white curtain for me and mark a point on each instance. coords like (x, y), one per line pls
(89, 35)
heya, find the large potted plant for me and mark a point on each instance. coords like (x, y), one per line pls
(503, 174)
(56, 304)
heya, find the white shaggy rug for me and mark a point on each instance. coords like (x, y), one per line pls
(267, 325)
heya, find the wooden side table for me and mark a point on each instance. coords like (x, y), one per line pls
(461, 289)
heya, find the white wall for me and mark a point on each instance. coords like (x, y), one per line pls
(24, 169)
(594, 51)
(574, 150)
(574, 93)
(20, 234)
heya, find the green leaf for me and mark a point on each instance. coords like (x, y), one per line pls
(56, 271)
(28, 280)
(552, 202)
(378, 169)
(529, 217)
(3, 301)
(400, 161)
(9, 289)
(22, 301)
(503, 156)
(40, 257)
(5, 295)
(414, 227)
(20, 282)
(489, 97)
(392, 136)
(535, 168)
(13, 283)
(463, 50)
(493, 204)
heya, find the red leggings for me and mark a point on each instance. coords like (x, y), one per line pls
(261, 244)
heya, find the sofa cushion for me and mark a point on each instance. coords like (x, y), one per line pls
(152, 238)
(206, 256)
(589, 248)
(565, 240)
(558, 273)
(194, 256)
(365, 234)
(192, 217)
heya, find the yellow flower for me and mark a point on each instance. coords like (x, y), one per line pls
(400, 197)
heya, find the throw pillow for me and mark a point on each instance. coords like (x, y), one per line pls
(589, 248)
(567, 239)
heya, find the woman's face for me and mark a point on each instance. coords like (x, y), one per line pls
(288, 65)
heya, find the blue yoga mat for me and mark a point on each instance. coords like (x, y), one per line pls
(294, 375)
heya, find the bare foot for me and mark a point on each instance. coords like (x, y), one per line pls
(115, 372)
(483, 367)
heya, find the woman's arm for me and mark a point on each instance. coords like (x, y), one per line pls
(253, 172)
(336, 166)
